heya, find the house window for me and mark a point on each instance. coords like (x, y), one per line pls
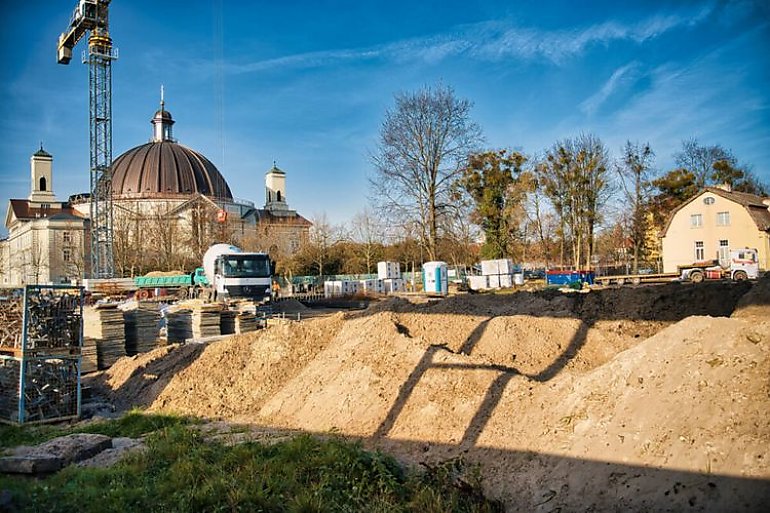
(699, 251)
(66, 236)
(696, 220)
(724, 252)
(723, 218)
(66, 255)
(708, 200)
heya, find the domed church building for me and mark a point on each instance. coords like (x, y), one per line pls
(170, 203)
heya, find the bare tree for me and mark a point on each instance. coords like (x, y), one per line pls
(37, 263)
(700, 160)
(635, 178)
(367, 231)
(323, 235)
(424, 143)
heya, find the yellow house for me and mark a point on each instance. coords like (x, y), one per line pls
(712, 223)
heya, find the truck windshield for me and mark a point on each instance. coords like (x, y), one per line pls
(247, 266)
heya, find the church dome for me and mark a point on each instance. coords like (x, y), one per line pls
(164, 168)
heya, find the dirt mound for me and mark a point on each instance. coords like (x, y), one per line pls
(221, 379)
(578, 401)
(289, 306)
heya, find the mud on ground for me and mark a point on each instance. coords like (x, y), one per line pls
(627, 399)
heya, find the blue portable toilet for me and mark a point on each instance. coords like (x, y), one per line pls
(435, 281)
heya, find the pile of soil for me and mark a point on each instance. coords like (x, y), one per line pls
(647, 398)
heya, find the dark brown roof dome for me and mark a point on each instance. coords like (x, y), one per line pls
(166, 169)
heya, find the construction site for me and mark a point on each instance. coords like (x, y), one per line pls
(557, 392)
(651, 398)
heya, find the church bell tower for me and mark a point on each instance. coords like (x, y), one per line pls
(41, 165)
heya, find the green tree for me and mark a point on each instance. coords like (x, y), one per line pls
(424, 143)
(573, 176)
(488, 178)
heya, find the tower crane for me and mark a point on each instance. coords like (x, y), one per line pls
(92, 16)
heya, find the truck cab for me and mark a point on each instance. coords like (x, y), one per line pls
(744, 263)
(247, 275)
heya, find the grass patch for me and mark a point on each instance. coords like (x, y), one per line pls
(182, 471)
(132, 424)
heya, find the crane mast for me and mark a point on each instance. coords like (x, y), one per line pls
(93, 16)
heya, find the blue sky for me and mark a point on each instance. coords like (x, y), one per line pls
(307, 83)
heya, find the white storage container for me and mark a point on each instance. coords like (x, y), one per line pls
(494, 281)
(434, 278)
(518, 279)
(506, 281)
(478, 282)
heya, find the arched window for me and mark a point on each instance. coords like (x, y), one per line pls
(42, 183)
(278, 195)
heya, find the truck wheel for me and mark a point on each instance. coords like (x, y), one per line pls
(143, 294)
(181, 294)
(621, 281)
(740, 276)
(696, 276)
(636, 281)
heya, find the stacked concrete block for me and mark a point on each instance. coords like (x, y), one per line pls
(388, 270)
(371, 287)
(333, 288)
(478, 282)
(496, 273)
(394, 285)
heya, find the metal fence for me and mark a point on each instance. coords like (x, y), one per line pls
(41, 336)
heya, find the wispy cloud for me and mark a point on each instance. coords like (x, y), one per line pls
(620, 77)
(490, 41)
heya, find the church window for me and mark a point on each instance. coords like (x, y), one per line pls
(66, 254)
(66, 236)
(278, 195)
(42, 183)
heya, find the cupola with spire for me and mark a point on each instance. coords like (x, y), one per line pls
(162, 123)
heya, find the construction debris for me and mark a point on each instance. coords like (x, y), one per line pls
(11, 318)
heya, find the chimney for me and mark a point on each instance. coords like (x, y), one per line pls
(725, 187)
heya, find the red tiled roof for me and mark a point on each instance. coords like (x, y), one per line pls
(22, 210)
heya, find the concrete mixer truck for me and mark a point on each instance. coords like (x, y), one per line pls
(231, 273)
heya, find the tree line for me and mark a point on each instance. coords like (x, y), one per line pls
(439, 194)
